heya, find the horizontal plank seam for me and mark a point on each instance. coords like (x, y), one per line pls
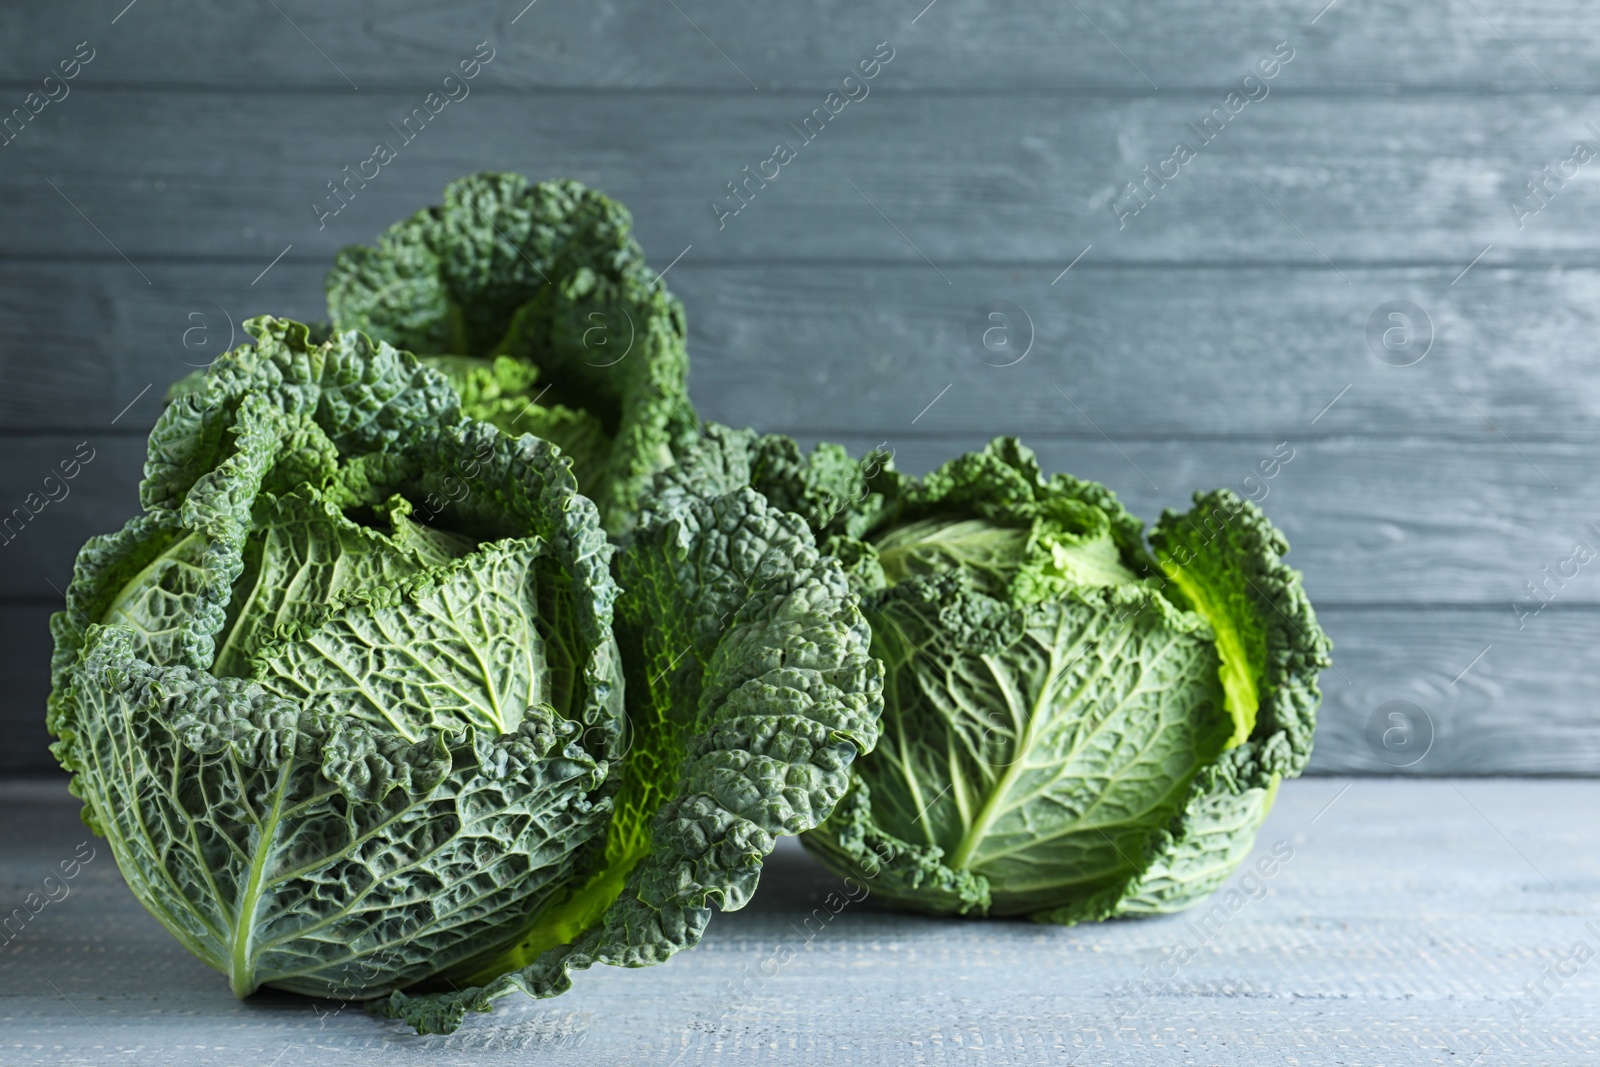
(1365, 89)
(963, 438)
(1484, 438)
(1531, 265)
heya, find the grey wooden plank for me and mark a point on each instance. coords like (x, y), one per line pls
(1148, 351)
(1521, 708)
(46, 516)
(1372, 520)
(1009, 178)
(828, 349)
(84, 339)
(25, 648)
(1400, 929)
(608, 45)
(1474, 693)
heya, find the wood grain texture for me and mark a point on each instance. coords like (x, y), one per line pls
(1019, 177)
(1382, 46)
(1413, 573)
(1388, 521)
(846, 347)
(25, 637)
(84, 339)
(1187, 342)
(1399, 930)
(1371, 520)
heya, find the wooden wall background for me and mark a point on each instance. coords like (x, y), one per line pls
(1177, 353)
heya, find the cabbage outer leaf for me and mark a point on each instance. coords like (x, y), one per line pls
(329, 758)
(550, 276)
(750, 692)
(1221, 562)
(1226, 558)
(313, 851)
(1042, 755)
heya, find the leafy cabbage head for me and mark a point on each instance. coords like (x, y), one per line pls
(364, 714)
(1076, 723)
(536, 301)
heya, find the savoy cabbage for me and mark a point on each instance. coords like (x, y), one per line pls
(1077, 723)
(369, 706)
(536, 301)
(364, 713)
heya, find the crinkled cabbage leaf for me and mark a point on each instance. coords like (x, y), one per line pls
(536, 301)
(363, 713)
(1077, 724)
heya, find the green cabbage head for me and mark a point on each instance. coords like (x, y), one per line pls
(364, 713)
(536, 301)
(1077, 724)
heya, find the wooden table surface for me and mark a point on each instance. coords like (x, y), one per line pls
(1405, 926)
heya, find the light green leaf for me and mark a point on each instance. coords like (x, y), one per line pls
(1047, 761)
(1226, 559)
(305, 558)
(1216, 833)
(949, 563)
(313, 852)
(462, 646)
